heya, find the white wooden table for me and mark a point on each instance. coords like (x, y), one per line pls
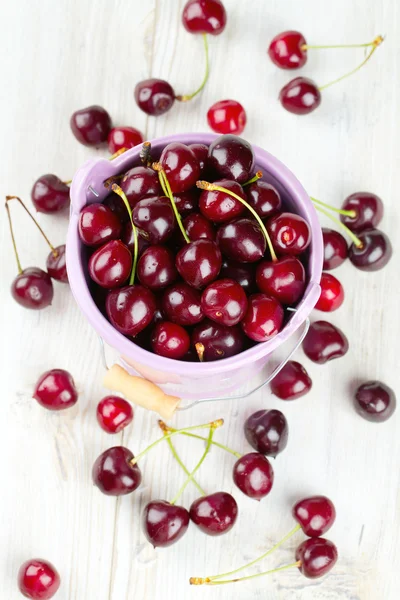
(60, 56)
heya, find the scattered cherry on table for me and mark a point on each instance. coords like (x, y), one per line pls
(114, 414)
(56, 390)
(375, 401)
(91, 125)
(38, 579)
(291, 382)
(227, 116)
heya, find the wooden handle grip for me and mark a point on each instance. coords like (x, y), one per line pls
(140, 391)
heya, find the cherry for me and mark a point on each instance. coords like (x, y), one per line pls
(114, 474)
(224, 301)
(98, 224)
(243, 273)
(242, 240)
(204, 16)
(375, 252)
(181, 304)
(375, 401)
(38, 579)
(199, 262)
(32, 288)
(253, 475)
(335, 249)
(155, 217)
(140, 182)
(227, 116)
(286, 50)
(164, 523)
(198, 227)
(315, 515)
(156, 267)
(114, 414)
(91, 125)
(290, 233)
(324, 342)
(284, 279)
(232, 157)
(267, 431)
(218, 206)
(181, 166)
(116, 204)
(291, 382)
(214, 514)
(201, 153)
(332, 293)
(154, 96)
(264, 198)
(317, 556)
(186, 202)
(131, 308)
(300, 96)
(214, 341)
(123, 137)
(111, 264)
(128, 237)
(56, 265)
(263, 319)
(170, 340)
(55, 390)
(49, 194)
(368, 210)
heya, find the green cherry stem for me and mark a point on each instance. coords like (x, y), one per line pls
(256, 177)
(118, 190)
(356, 241)
(188, 97)
(199, 437)
(206, 581)
(54, 251)
(168, 192)
(340, 211)
(13, 240)
(335, 46)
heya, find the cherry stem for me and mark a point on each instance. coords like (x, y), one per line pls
(180, 463)
(311, 47)
(166, 427)
(118, 153)
(206, 581)
(54, 251)
(256, 177)
(377, 41)
(145, 154)
(118, 190)
(357, 242)
(68, 182)
(188, 97)
(340, 211)
(168, 192)
(200, 351)
(13, 240)
(205, 185)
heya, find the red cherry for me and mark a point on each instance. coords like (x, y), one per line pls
(324, 342)
(170, 340)
(227, 116)
(290, 233)
(243, 273)
(114, 474)
(332, 293)
(231, 157)
(156, 268)
(267, 432)
(198, 227)
(181, 166)
(253, 474)
(128, 238)
(286, 50)
(263, 319)
(220, 207)
(284, 279)
(139, 183)
(186, 202)
(374, 253)
(375, 401)
(335, 249)
(111, 264)
(154, 96)
(368, 210)
(114, 414)
(123, 137)
(317, 556)
(164, 523)
(291, 382)
(199, 262)
(91, 125)
(38, 579)
(204, 16)
(315, 515)
(33, 288)
(155, 216)
(130, 308)
(300, 96)
(49, 194)
(98, 225)
(264, 198)
(224, 301)
(214, 341)
(214, 514)
(181, 304)
(201, 153)
(56, 265)
(242, 240)
(56, 390)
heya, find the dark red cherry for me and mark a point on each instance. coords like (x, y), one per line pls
(267, 431)
(232, 157)
(375, 401)
(181, 304)
(98, 224)
(155, 216)
(204, 16)
(91, 125)
(290, 233)
(186, 202)
(315, 515)
(123, 137)
(198, 227)
(199, 262)
(114, 414)
(243, 273)
(156, 268)
(224, 301)
(116, 204)
(263, 318)
(300, 96)
(227, 116)
(128, 238)
(164, 523)
(201, 153)
(217, 341)
(181, 167)
(140, 182)
(286, 50)
(335, 249)
(242, 240)
(111, 264)
(264, 198)
(33, 288)
(284, 279)
(55, 390)
(324, 342)
(375, 253)
(38, 579)
(368, 210)
(317, 556)
(56, 265)
(170, 340)
(291, 382)
(154, 96)
(332, 293)
(214, 514)
(49, 194)
(253, 474)
(131, 308)
(218, 206)
(114, 474)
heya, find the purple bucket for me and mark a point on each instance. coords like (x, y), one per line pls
(186, 379)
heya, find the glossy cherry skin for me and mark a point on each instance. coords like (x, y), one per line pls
(227, 116)
(220, 207)
(131, 308)
(116, 204)
(164, 523)
(324, 342)
(267, 431)
(243, 273)
(181, 167)
(242, 240)
(114, 414)
(217, 341)
(56, 265)
(214, 514)
(204, 16)
(231, 157)
(335, 249)
(154, 96)
(170, 340)
(300, 96)
(263, 318)
(315, 515)
(128, 238)
(284, 279)
(91, 125)
(123, 137)
(140, 182)
(253, 474)
(33, 289)
(56, 390)
(332, 293)
(375, 253)
(264, 198)
(187, 202)
(113, 473)
(49, 194)
(317, 556)
(289, 233)
(199, 262)
(198, 227)
(368, 210)
(201, 153)
(38, 579)
(286, 50)
(98, 225)
(110, 265)
(155, 217)
(224, 301)
(156, 268)
(375, 401)
(291, 382)
(181, 304)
